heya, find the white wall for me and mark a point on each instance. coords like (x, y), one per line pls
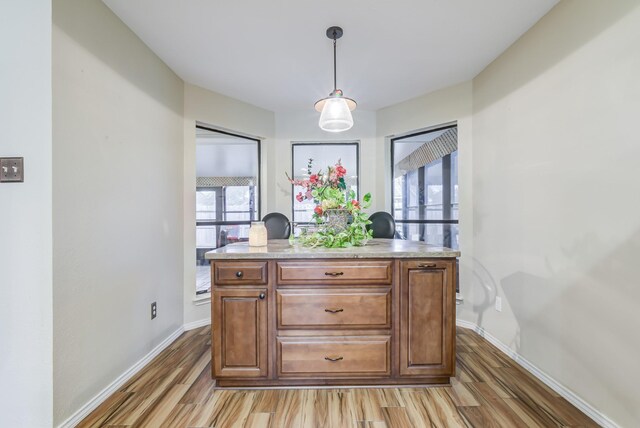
(25, 216)
(447, 105)
(302, 126)
(556, 209)
(224, 113)
(117, 200)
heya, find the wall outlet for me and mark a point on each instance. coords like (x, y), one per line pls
(498, 304)
(154, 310)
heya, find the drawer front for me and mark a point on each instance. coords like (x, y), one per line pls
(322, 308)
(334, 356)
(240, 273)
(353, 272)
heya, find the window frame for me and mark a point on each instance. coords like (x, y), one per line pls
(258, 194)
(392, 144)
(259, 175)
(355, 143)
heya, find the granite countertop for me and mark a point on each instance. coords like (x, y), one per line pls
(375, 249)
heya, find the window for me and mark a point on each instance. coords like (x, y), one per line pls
(227, 193)
(425, 186)
(323, 155)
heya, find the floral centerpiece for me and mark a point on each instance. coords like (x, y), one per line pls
(335, 206)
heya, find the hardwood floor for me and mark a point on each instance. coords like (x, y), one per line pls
(489, 390)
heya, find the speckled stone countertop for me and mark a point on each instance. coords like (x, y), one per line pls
(375, 249)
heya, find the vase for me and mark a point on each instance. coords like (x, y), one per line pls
(336, 220)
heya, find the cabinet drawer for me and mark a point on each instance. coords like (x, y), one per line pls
(318, 308)
(240, 273)
(329, 272)
(334, 356)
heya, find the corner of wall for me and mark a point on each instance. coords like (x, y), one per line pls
(225, 113)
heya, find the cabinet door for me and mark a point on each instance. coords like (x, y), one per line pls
(239, 345)
(427, 318)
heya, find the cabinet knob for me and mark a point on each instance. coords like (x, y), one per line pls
(262, 296)
(334, 311)
(334, 358)
(239, 274)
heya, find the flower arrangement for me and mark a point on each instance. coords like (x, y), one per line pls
(328, 191)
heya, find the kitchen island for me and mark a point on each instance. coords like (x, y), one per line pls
(382, 314)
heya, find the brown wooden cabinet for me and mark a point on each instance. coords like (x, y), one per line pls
(427, 314)
(239, 340)
(333, 322)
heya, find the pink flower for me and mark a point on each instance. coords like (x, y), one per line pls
(313, 178)
(356, 204)
(318, 210)
(340, 170)
(299, 197)
(308, 195)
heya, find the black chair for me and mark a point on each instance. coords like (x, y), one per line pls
(382, 224)
(222, 238)
(278, 226)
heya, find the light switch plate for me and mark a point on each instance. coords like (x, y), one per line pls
(11, 170)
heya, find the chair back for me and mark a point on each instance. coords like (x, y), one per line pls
(278, 226)
(383, 225)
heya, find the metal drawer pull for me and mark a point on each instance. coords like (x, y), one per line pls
(334, 358)
(334, 273)
(432, 265)
(334, 311)
(239, 274)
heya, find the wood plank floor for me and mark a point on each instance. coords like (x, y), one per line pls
(489, 390)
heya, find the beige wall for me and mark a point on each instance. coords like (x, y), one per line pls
(556, 207)
(448, 105)
(117, 201)
(25, 215)
(224, 113)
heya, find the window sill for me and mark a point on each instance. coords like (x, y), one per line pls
(202, 299)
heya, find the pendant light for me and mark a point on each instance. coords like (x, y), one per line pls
(336, 109)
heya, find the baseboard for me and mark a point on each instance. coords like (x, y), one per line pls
(560, 389)
(197, 324)
(90, 406)
(466, 324)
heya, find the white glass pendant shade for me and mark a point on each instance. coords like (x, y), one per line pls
(336, 115)
(336, 109)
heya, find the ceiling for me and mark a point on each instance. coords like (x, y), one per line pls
(275, 54)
